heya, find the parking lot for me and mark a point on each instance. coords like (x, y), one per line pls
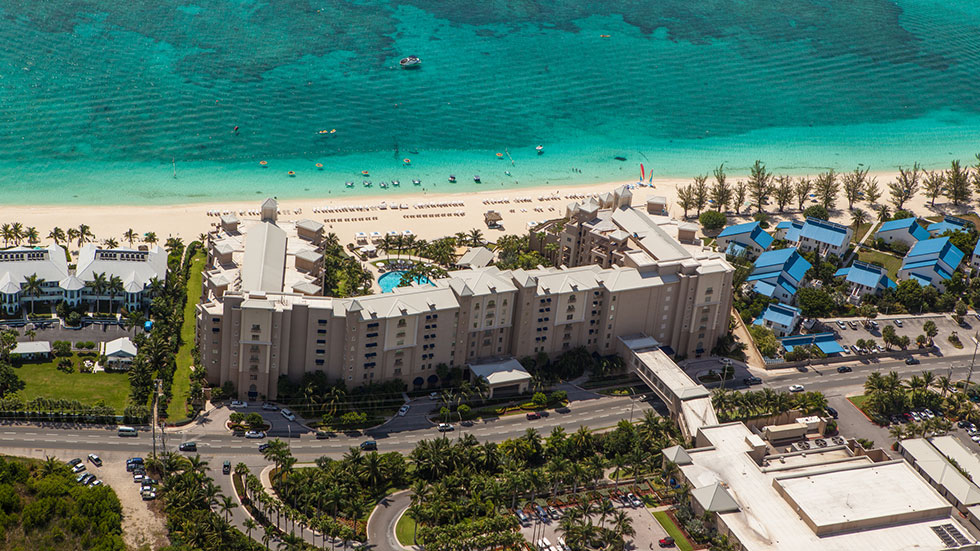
(648, 530)
(911, 326)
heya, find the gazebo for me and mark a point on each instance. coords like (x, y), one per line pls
(492, 218)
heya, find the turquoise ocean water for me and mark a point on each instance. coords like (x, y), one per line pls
(100, 99)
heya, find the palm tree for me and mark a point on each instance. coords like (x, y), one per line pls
(227, 504)
(17, 232)
(133, 319)
(249, 526)
(130, 235)
(57, 235)
(110, 243)
(476, 237)
(7, 232)
(150, 237)
(31, 235)
(114, 287)
(33, 286)
(84, 234)
(858, 217)
(269, 533)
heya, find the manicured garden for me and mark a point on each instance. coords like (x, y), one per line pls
(44, 379)
(177, 409)
(405, 531)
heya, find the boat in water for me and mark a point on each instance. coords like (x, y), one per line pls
(384, 185)
(349, 184)
(417, 182)
(367, 184)
(410, 62)
(476, 178)
(452, 179)
(396, 183)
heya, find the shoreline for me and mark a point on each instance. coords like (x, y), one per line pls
(189, 220)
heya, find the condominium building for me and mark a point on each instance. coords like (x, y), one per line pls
(256, 327)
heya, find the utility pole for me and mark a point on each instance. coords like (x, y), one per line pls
(632, 403)
(153, 414)
(976, 345)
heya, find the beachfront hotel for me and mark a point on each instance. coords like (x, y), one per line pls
(255, 325)
(135, 269)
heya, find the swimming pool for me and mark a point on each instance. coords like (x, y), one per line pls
(390, 280)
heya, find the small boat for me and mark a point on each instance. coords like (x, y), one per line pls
(539, 149)
(350, 184)
(367, 184)
(507, 172)
(407, 161)
(410, 62)
(500, 155)
(396, 183)
(291, 173)
(384, 185)
(452, 178)
(364, 173)
(417, 182)
(476, 178)
(264, 163)
(620, 158)
(322, 132)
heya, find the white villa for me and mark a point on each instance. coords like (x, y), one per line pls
(135, 269)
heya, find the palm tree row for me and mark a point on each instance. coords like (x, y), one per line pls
(731, 405)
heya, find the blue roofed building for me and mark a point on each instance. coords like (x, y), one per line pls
(778, 274)
(864, 279)
(789, 230)
(949, 223)
(781, 318)
(822, 236)
(905, 230)
(748, 240)
(826, 342)
(931, 262)
(975, 257)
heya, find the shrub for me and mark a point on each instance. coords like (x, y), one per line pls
(61, 348)
(712, 220)
(463, 410)
(66, 365)
(539, 399)
(559, 396)
(236, 417)
(254, 420)
(74, 319)
(816, 211)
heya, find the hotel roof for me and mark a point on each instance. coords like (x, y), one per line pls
(135, 267)
(476, 257)
(931, 251)
(866, 274)
(501, 372)
(779, 314)
(910, 225)
(751, 231)
(264, 265)
(824, 231)
(18, 263)
(949, 223)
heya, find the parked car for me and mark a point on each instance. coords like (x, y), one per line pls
(289, 415)
(855, 349)
(977, 314)
(897, 322)
(928, 413)
(853, 324)
(403, 410)
(433, 395)
(540, 512)
(796, 388)
(254, 434)
(752, 380)
(78, 468)
(521, 517)
(844, 369)
(445, 427)
(369, 445)
(96, 460)
(79, 477)
(269, 406)
(553, 513)
(912, 361)
(88, 479)
(188, 447)
(841, 324)
(74, 462)
(138, 477)
(96, 483)
(874, 324)
(238, 404)
(226, 467)
(149, 496)
(666, 542)
(633, 500)
(531, 415)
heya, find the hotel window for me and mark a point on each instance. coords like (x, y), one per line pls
(491, 304)
(401, 323)
(321, 322)
(320, 351)
(319, 362)
(255, 327)
(321, 341)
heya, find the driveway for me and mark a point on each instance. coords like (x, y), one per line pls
(648, 530)
(381, 523)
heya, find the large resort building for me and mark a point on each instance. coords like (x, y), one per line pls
(128, 275)
(261, 317)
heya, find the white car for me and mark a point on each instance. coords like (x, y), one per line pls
(403, 410)
(796, 388)
(238, 404)
(633, 500)
(433, 395)
(288, 414)
(445, 427)
(254, 434)
(975, 438)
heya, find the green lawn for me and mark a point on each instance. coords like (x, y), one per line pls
(673, 530)
(891, 262)
(177, 410)
(43, 379)
(862, 229)
(405, 530)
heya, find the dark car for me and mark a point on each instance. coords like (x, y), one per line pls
(369, 445)
(226, 467)
(322, 434)
(911, 361)
(844, 369)
(264, 446)
(666, 542)
(531, 415)
(831, 412)
(96, 460)
(188, 447)
(752, 381)
(74, 462)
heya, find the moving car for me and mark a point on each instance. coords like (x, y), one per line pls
(433, 395)
(269, 407)
(96, 460)
(254, 434)
(403, 410)
(445, 427)
(911, 361)
(188, 447)
(752, 380)
(322, 435)
(238, 404)
(264, 446)
(369, 445)
(796, 388)
(289, 415)
(226, 467)
(531, 415)
(844, 369)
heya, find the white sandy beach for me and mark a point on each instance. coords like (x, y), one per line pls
(190, 220)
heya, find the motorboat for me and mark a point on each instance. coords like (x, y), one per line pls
(367, 184)
(350, 184)
(384, 185)
(417, 182)
(396, 183)
(410, 62)
(452, 178)
(476, 178)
